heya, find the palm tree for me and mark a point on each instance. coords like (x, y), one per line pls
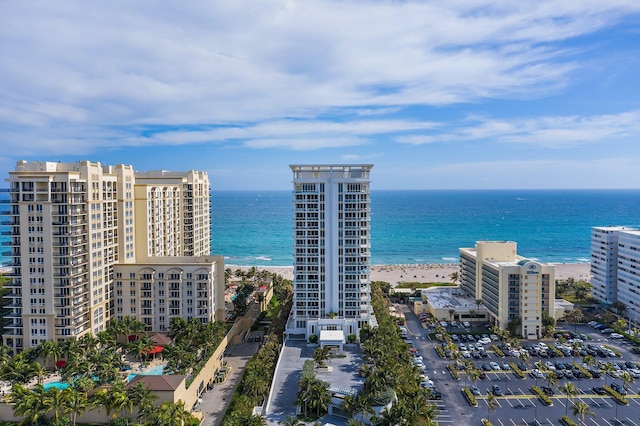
(524, 357)
(74, 402)
(54, 401)
(582, 409)
(141, 347)
(552, 379)
(254, 383)
(454, 276)
(451, 312)
(472, 314)
(570, 390)
(478, 302)
(29, 405)
(607, 369)
(492, 404)
(319, 396)
(589, 361)
(51, 349)
(358, 404)
(321, 355)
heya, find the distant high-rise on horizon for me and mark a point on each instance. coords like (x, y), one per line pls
(332, 250)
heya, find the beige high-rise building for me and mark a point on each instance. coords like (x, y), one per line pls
(70, 224)
(172, 213)
(514, 289)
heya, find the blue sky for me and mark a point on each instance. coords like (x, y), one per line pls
(437, 95)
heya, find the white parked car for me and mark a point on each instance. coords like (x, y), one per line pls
(494, 366)
(466, 354)
(466, 324)
(616, 336)
(536, 374)
(484, 341)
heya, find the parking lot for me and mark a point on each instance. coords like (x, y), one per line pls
(517, 404)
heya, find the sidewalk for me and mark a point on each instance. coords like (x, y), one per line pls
(215, 402)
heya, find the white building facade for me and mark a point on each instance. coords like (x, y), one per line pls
(514, 289)
(604, 262)
(629, 273)
(332, 243)
(69, 223)
(615, 267)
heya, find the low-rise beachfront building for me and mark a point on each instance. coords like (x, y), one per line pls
(451, 304)
(332, 243)
(515, 290)
(163, 288)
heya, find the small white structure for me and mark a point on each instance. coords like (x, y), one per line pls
(332, 338)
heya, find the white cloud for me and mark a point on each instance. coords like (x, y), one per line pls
(78, 70)
(523, 173)
(549, 132)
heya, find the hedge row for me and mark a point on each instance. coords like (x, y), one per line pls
(471, 398)
(440, 351)
(583, 370)
(516, 370)
(556, 351)
(568, 421)
(454, 371)
(543, 396)
(616, 395)
(498, 351)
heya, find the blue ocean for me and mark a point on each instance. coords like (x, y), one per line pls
(256, 227)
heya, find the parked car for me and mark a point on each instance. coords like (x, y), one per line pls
(599, 390)
(497, 391)
(547, 391)
(494, 365)
(536, 374)
(607, 330)
(616, 387)
(475, 390)
(466, 324)
(616, 336)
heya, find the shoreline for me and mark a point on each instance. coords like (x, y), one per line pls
(425, 273)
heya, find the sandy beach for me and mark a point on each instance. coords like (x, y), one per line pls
(395, 274)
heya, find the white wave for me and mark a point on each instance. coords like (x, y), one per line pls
(450, 259)
(267, 258)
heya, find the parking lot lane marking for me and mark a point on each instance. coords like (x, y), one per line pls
(549, 421)
(632, 422)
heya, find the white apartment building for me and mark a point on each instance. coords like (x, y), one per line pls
(615, 267)
(604, 262)
(511, 287)
(70, 223)
(332, 242)
(163, 288)
(629, 273)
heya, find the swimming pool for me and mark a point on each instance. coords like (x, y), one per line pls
(57, 385)
(155, 371)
